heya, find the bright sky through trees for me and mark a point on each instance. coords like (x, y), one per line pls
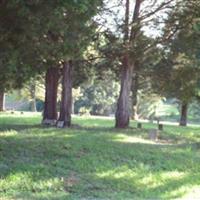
(115, 11)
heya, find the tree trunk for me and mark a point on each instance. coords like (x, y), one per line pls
(183, 119)
(51, 89)
(134, 89)
(73, 102)
(33, 96)
(122, 115)
(2, 101)
(33, 105)
(66, 99)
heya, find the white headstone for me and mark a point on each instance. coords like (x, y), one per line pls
(60, 124)
(51, 122)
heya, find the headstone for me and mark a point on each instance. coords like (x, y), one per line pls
(139, 125)
(51, 122)
(153, 134)
(22, 113)
(160, 127)
(60, 124)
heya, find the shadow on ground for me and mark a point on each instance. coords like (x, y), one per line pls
(49, 163)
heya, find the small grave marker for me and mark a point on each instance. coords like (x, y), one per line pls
(153, 134)
(139, 125)
(60, 124)
(49, 122)
(160, 127)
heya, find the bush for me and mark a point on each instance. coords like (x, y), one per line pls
(84, 111)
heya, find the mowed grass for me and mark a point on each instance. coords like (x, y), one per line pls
(92, 160)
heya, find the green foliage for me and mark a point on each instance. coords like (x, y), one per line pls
(84, 111)
(42, 35)
(177, 72)
(147, 105)
(17, 46)
(99, 96)
(177, 77)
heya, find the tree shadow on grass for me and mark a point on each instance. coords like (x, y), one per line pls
(168, 188)
(18, 127)
(42, 160)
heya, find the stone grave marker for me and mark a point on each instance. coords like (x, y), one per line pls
(153, 134)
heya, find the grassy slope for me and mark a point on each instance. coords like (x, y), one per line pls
(95, 161)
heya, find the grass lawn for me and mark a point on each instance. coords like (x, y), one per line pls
(96, 161)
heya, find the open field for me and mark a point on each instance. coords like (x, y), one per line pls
(93, 160)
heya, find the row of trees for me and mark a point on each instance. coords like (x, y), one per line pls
(70, 40)
(46, 37)
(167, 64)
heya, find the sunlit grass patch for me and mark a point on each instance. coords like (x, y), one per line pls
(96, 162)
(192, 192)
(131, 139)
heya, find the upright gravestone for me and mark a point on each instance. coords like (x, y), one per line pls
(153, 134)
(160, 127)
(50, 122)
(139, 125)
(60, 124)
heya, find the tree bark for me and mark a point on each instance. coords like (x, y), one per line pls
(66, 99)
(122, 115)
(73, 102)
(134, 89)
(51, 89)
(2, 101)
(123, 105)
(33, 96)
(184, 110)
(33, 105)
